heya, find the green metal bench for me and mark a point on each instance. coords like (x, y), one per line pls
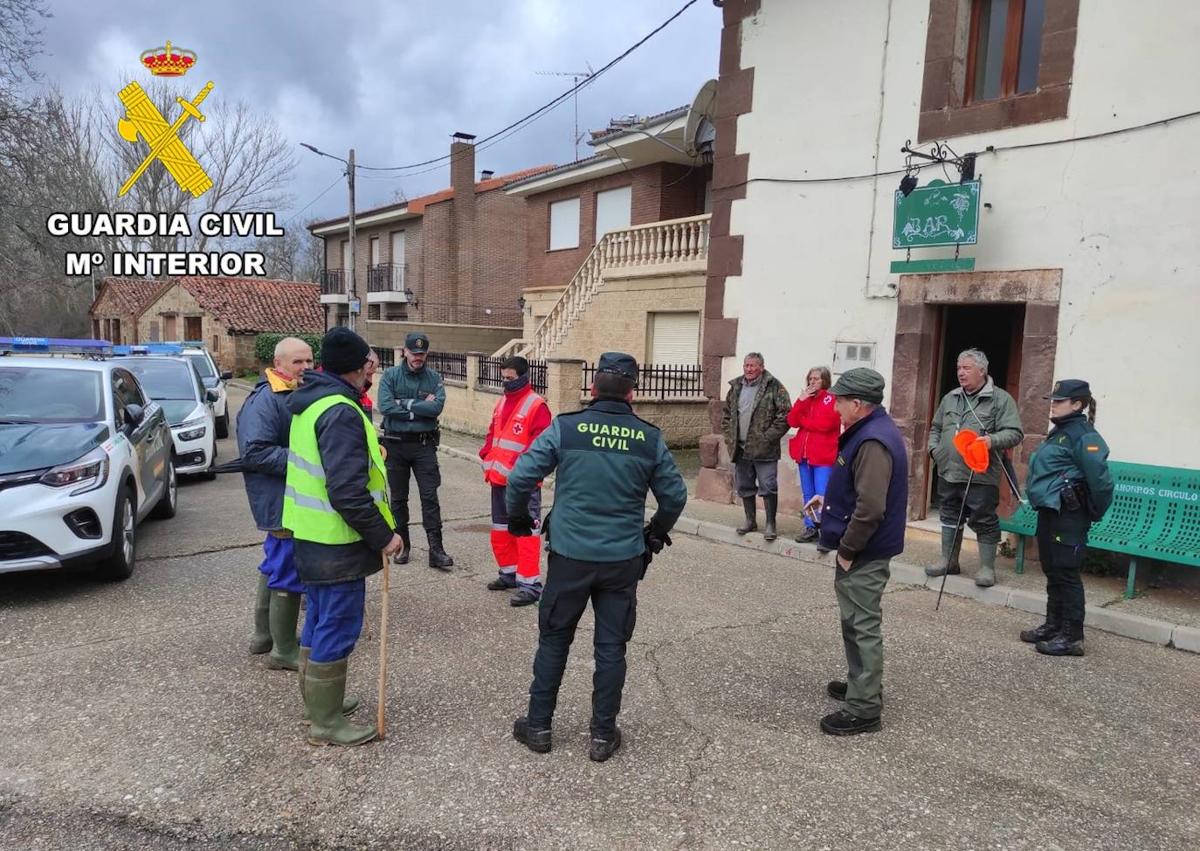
(1155, 513)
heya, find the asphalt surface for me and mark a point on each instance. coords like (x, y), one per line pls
(132, 716)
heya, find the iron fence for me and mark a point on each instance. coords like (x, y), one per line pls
(659, 380)
(489, 374)
(386, 355)
(451, 365)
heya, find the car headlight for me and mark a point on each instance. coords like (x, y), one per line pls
(192, 429)
(90, 472)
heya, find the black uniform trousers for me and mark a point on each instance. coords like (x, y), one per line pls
(1062, 543)
(612, 588)
(418, 457)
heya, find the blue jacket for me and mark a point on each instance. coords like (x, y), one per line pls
(402, 399)
(842, 497)
(342, 442)
(607, 459)
(262, 434)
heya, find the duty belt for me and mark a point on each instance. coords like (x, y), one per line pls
(413, 436)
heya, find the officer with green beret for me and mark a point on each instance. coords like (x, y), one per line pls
(1070, 486)
(411, 398)
(862, 516)
(607, 459)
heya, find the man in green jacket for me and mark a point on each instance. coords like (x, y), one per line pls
(979, 405)
(753, 423)
(411, 398)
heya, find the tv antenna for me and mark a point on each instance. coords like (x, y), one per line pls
(577, 77)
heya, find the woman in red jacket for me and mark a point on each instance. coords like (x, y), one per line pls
(814, 447)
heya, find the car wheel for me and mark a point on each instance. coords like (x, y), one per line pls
(168, 503)
(223, 425)
(119, 565)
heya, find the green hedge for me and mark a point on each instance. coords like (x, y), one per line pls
(264, 345)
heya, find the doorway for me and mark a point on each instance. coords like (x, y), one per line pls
(994, 329)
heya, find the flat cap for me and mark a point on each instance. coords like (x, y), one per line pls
(1069, 388)
(620, 364)
(416, 341)
(859, 383)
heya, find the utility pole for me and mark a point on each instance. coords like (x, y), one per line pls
(351, 290)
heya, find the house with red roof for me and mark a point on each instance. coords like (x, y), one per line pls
(118, 306)
(452, 263)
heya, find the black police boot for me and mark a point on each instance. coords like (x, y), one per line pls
(771, 502)
(405, 553)
(601, 749)
(538, 741)
(843, 723)
(438, 557)
(750, 507)
(836, 689)
(1045, 632)
(1068, 642)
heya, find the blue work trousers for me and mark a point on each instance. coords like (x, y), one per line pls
(813, 481)
(335, 619)
(279, 565)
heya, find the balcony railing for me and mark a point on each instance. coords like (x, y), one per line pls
(333, 281)
(386, 278)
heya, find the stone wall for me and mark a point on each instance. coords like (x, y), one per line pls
(683, 421)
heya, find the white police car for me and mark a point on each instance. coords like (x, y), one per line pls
(172, 381)
(195, 351)
(84, 456)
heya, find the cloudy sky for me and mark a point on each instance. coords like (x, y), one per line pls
(394, 78)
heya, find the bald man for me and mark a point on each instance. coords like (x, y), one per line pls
(263, 425)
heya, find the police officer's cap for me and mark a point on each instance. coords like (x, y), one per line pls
(859, 383)
(416, 341)
(1069, 388)
(619, 363)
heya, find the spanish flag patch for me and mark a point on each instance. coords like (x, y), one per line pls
(1093, 449)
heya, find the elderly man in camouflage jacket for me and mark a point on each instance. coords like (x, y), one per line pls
(976, 404)
(753, 423)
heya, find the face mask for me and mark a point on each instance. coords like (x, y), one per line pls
(516, 384)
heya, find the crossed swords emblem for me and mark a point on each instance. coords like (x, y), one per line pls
(143, 118)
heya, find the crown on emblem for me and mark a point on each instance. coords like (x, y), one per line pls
(167, 61)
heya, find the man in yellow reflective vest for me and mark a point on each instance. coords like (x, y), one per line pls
(518, 419)
(335, 503)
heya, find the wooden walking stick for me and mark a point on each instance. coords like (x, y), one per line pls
(383, 632)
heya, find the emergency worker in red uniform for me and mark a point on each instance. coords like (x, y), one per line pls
(518, 419)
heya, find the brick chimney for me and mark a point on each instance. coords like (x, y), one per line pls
(463, 227)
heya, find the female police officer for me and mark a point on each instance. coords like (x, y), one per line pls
(1071, 488)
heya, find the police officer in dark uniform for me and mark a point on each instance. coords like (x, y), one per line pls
(411, 398)
(1071, 488)
(607, 459)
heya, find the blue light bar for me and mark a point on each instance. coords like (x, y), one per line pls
(148, 349)
(54, 345)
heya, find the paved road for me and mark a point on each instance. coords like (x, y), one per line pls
(132, 718)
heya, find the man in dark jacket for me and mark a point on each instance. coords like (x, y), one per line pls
(335, 503)
(607, 459)
(262, 433)
(862, 517)
(411, 398)
(753, 423)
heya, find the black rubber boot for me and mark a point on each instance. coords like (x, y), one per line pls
(261, 642)
(771, 502)
(438, 557)
(750, 507)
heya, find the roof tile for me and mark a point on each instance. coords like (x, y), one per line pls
(256, 305)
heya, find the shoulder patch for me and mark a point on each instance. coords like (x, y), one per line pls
(1093, 448)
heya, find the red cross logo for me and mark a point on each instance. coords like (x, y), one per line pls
(518, 428)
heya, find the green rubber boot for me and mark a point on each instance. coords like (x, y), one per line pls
(986, 577)
(261, 642)
(285, 611)
(324, 692)
(951, 547)
(349, 704)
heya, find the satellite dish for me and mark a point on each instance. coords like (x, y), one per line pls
(699, 131)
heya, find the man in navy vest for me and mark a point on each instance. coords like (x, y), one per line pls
(862, 517)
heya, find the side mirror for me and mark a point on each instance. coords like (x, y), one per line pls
(211, 395)
(226, 375)
(134, 414)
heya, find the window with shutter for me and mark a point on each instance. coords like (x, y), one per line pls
(564, 224)
(674, 338)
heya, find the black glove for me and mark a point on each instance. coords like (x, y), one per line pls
(655, 541)
(520, 525)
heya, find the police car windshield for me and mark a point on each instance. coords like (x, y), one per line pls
(202, 364)
(39, 395)
(163, 379)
